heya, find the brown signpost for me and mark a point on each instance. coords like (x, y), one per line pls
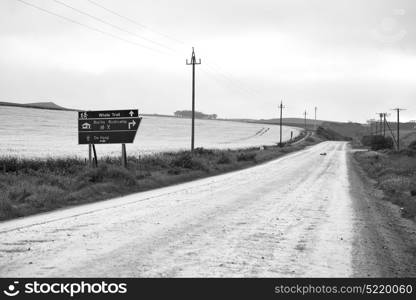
(108, 127)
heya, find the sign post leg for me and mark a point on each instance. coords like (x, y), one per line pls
(95, 155)
(89, 155)
(124, 155)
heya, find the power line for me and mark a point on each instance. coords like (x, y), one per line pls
(133, 21)
(110, 24)
(230, 81)
(230, 77)
(87, 26)
(240, 85)
(222, 82)
(237, 84)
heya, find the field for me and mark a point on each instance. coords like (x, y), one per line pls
(40, 133)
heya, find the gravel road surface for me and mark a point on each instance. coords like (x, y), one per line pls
(305, 214)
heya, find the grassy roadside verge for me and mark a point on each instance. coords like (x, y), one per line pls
(395, 174)
(29, 186)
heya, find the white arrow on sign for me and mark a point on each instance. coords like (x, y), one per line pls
(131, 124)
(131, 113)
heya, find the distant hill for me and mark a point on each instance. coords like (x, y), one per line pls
(39, 105)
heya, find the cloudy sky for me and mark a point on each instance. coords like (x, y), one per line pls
(350, 58)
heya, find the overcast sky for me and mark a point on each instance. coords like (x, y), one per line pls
(350, 58)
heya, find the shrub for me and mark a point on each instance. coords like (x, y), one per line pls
(412, 145)
(246, 156)
(201, 151)
(118, 172)
(395, 183)
(155, 161)
(51, 195)
(93, 174)
(96, 175)
(7, 210)
(377, 142)
(58, 165)
(331, 135)
(408, 152)
(186, 160)
(224, 159)
(174, 171)
(18, 194)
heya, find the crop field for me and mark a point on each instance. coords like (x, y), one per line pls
(31, 133)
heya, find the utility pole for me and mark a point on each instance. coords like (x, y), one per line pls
(281, 116)
(193, 63)
(398, 126)
(384, 124)
(380, 123)
(372, 127)
(305, 113)
(315, 118)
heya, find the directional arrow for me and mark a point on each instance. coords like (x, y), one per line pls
(132, 123)
(131, 113)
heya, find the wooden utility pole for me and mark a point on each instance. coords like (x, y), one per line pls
(281, 121)
(305, 113)
(398, 126)
(380, 122)
(193, 63)
(384, 123)
(315, 118)
(391, 133)
(370, 123)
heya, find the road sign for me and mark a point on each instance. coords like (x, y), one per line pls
(108, 127)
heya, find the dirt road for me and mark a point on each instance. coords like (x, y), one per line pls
(295, 216)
